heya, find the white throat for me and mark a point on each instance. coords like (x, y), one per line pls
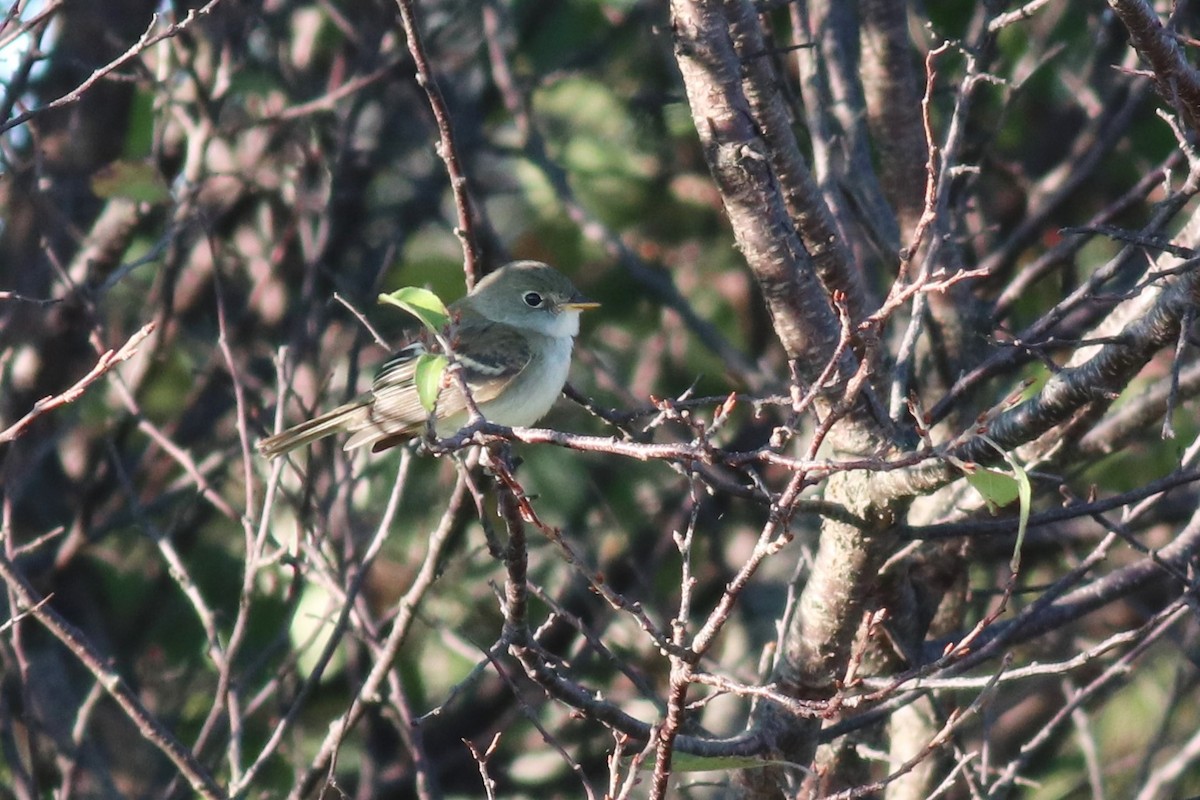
(558, 326)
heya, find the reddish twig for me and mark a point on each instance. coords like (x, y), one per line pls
(108, 360)
(446, 148)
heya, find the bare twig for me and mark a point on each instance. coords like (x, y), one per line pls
(148, 725)
(145, 41)
(108, 360)
(447, 149)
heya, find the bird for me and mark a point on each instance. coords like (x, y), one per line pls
(513, 339)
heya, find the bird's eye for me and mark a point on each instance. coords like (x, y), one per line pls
(532, 299)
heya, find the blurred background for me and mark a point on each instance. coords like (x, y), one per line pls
(247, 183)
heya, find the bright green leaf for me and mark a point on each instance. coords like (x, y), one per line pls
(997, 488)
(1020, 479)
(428, 378)
(1025, 495)
(422, 304)
(139, 181)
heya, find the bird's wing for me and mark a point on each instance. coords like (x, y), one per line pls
(398, 369)
(491, 354)
(395, 407)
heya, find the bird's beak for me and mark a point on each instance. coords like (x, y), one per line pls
(580, 305)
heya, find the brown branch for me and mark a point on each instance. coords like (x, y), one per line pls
(108, 360)
(1082, 302)
(151, 729)
(1016, 15)
(446, 148)
(894, 106)
(1177, 81)
(145, 41)
(955, 720)
(737, 158)
(682, 668)
(384, 655)
(1052, 612)
(1062, 254)
(836, 112)
(812, 218)
(1154, 322)
(1116, 674)
(481, 759)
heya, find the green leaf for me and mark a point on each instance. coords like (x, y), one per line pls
(422, 304)
(428, 378)
(685, 762)
(1024, 495)
(997, 488)
(139, 181)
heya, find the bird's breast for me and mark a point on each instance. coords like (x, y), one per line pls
(531, 394)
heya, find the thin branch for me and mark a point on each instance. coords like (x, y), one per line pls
(446, 149)
(148, 725)
(145, 41)
(107, 361)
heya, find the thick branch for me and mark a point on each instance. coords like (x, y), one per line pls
(1100, 379)
(810, 215)
(737, 156)
(1175, 79)
(893, 93)
(726, 104)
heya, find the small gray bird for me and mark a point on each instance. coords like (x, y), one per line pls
(513, 342)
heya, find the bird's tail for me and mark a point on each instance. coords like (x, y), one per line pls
(339, 419)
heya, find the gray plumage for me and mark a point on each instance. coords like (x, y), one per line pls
(513, 341)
